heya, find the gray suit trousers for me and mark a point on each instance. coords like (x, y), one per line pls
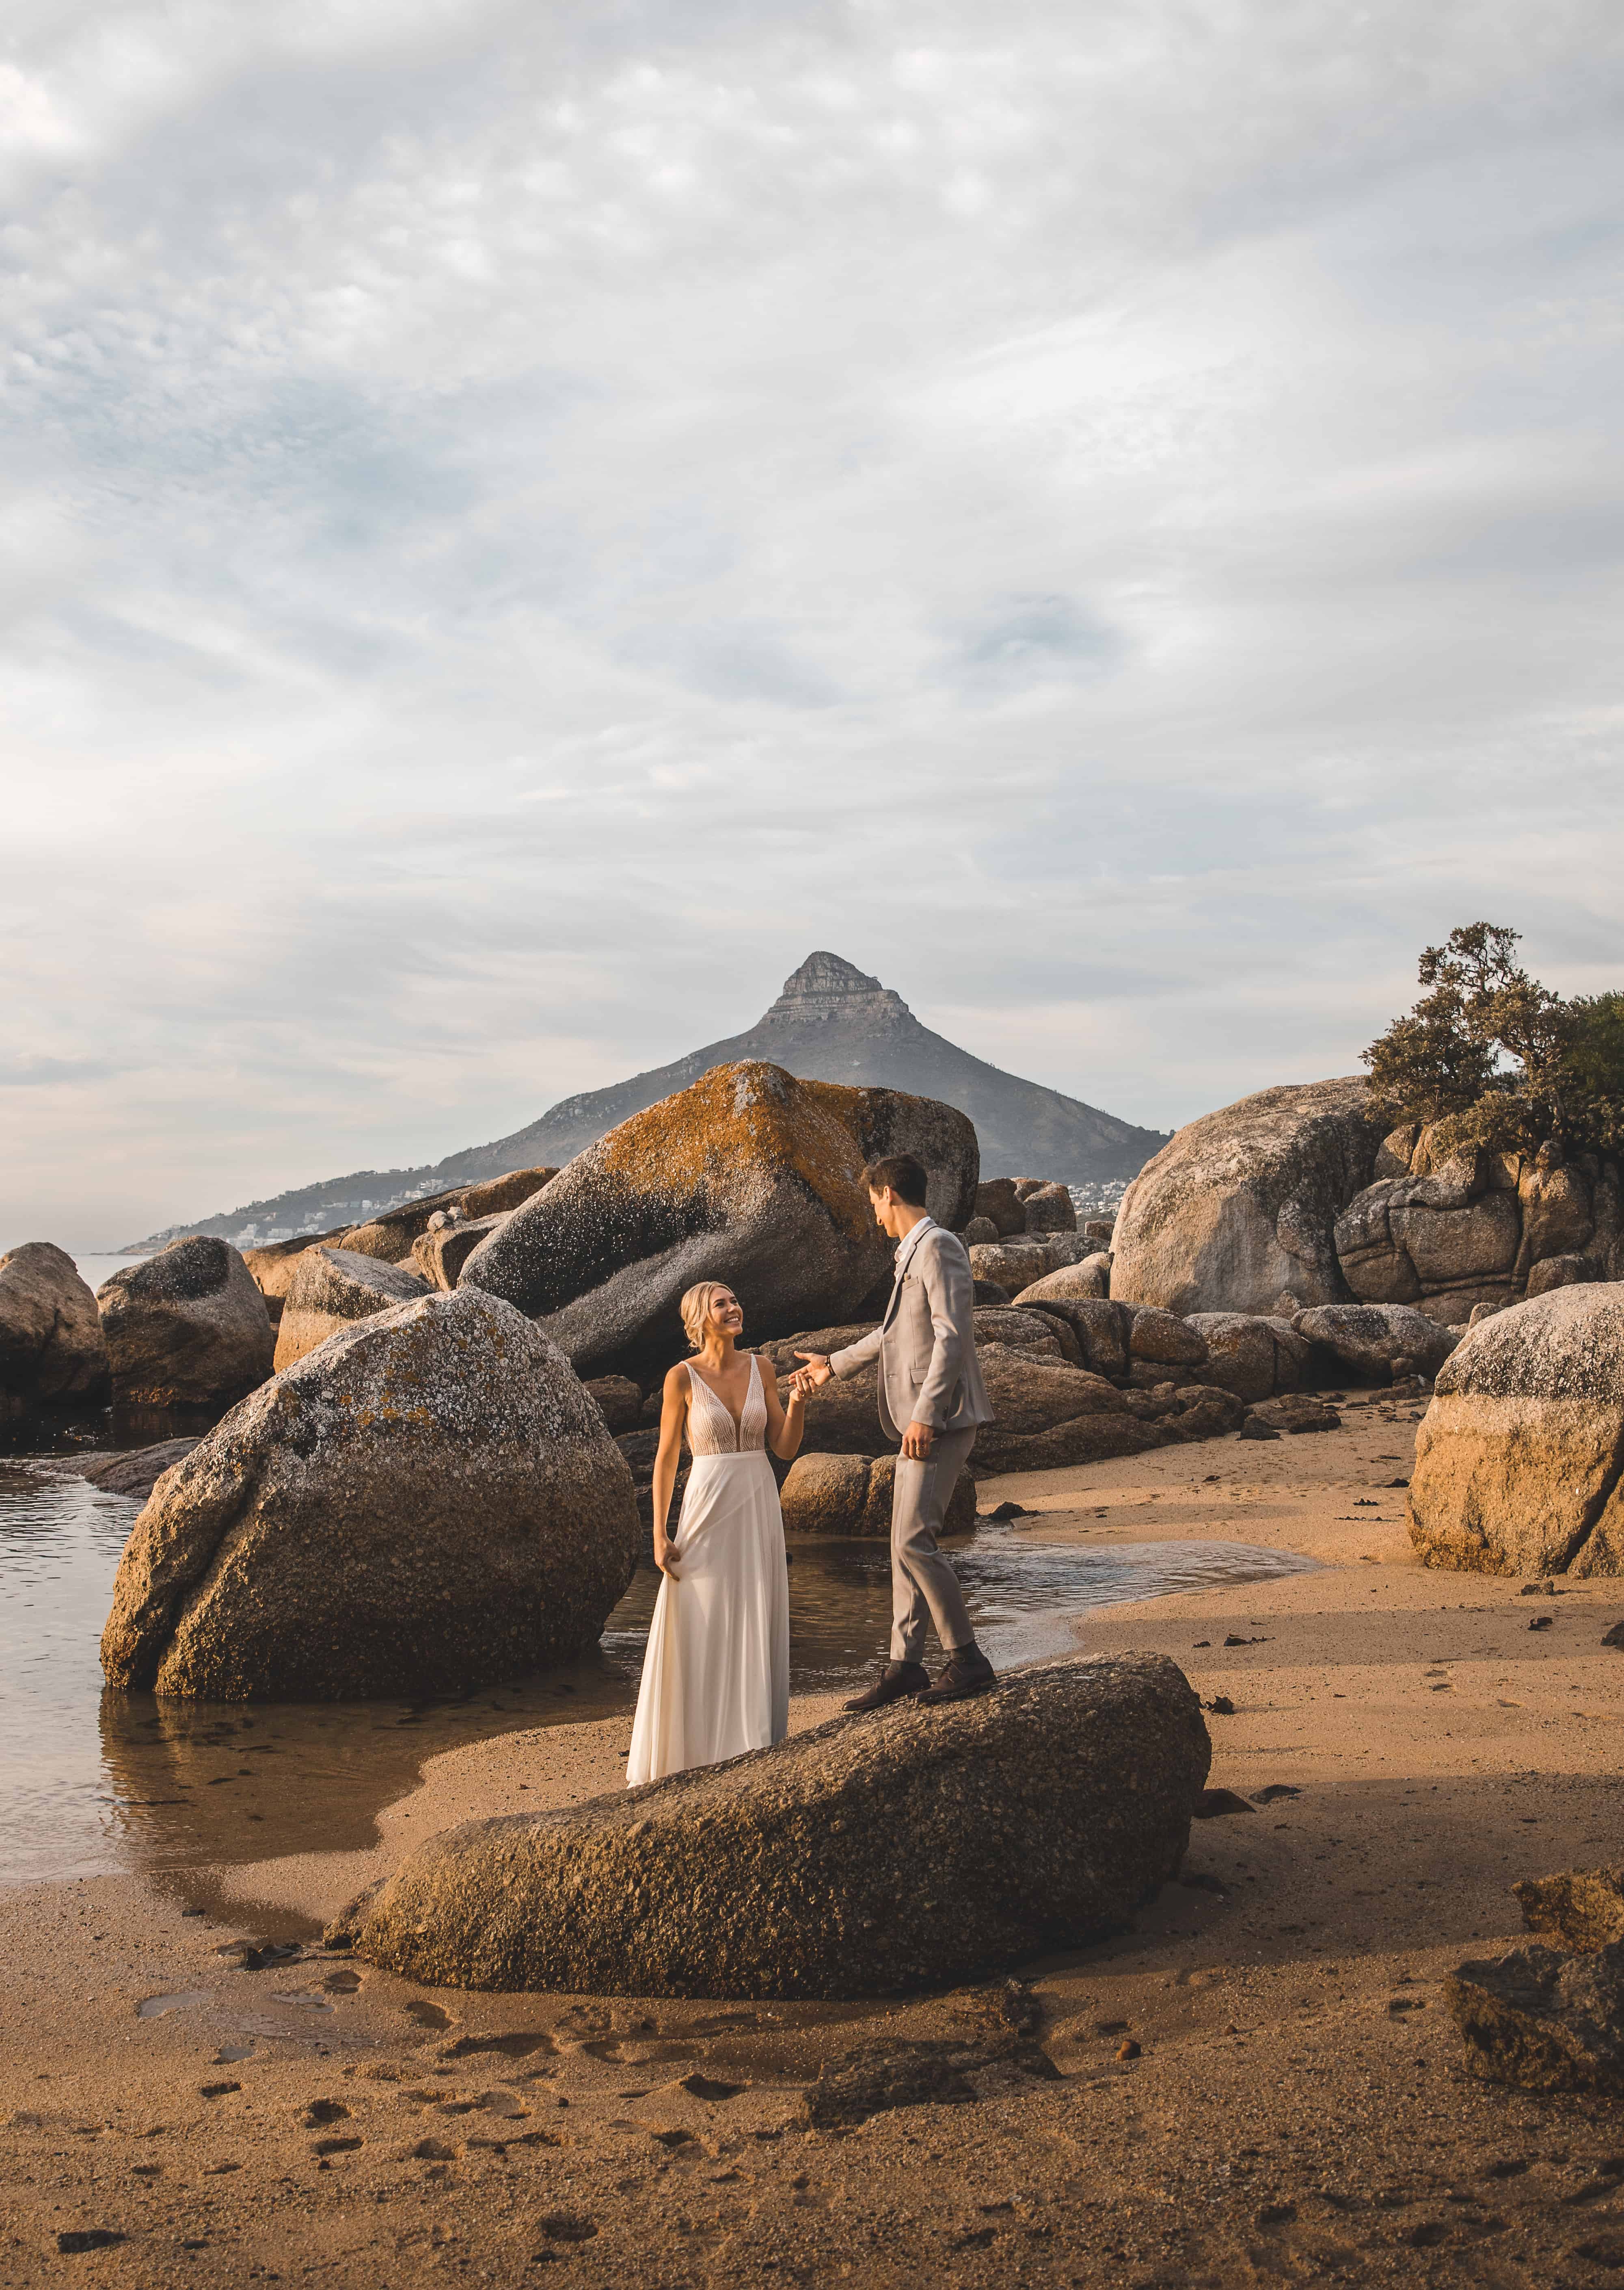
(924, 1587)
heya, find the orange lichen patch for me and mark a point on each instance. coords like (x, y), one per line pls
(742, 1117)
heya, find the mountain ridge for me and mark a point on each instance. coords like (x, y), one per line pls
(831, 1022)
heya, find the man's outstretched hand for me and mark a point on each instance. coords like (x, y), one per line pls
(917, 1442)
(816, 1372)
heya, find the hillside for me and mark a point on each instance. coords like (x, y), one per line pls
(832, 1022)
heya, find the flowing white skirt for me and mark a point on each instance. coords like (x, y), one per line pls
(716, 1677)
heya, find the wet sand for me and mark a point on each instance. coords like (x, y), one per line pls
(1297, 2111)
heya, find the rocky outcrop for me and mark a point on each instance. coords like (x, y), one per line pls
(1519, 1458)
(1243, 1203)
(52, 1352)
(1045, 1813)
(186, 1327)
(1542, 2019)
(330, 1289)
(1092, 1276)
(427, 1503)
(1378, 1343)
(851, 1495)
(748, 1176)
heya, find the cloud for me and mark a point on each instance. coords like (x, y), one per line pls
(522, 523)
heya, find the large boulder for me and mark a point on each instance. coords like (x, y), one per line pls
(851, 1495)
(1378, 1344)
(186, 1327)
(428, 1503)
(1050, 1208)
(1165, 1339)
(1016, 1264)
(868, 1856)
(750, 1176)
(52, 1352)
(1249, 1354)
(999, 1203)
(389, 1236)
(1446, 1241)
(1519, 1457)
(1243, 1204)
(1103, 1329)
(333, 1287)
(1047, 1413)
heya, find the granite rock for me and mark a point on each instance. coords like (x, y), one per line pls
(427, 1503)
(851, 1495)
(330, 1289)
(1519, 1458)
(747, 1176)
(1044, 1811)
(185, 1328)
(1542, 2019)
(1377, 1342)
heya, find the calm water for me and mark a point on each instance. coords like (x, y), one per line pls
(92, 1780)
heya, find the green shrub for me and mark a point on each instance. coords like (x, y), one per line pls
(1496, 1058)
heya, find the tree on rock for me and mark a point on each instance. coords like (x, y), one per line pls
(1494, 1058)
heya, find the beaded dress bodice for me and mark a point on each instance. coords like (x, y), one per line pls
(710, 1422)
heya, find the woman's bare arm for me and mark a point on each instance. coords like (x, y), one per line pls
(786, 1425)
(673, 1415)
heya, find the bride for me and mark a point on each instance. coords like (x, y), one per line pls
(716, 1677)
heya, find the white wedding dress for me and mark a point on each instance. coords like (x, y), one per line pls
(716, 1677)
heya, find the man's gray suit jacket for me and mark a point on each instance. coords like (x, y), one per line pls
(925, 1344)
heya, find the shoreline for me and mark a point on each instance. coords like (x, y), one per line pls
(1297, 2106)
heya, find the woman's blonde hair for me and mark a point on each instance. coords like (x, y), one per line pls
(695, 1308)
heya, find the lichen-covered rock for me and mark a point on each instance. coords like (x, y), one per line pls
(330, 1289)
(868, 1856)
(52, 1346)
(748, 1176)
(1583, 1908)
(186, 1327)
(1543, 2020)
(1242, 1202)
(427, 1502)
(851, 1495)
(1519, 1457)
(1377, 1342)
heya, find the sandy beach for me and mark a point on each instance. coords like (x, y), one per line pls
(1292, 2106)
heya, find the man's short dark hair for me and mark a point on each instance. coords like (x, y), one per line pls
(905, 1176)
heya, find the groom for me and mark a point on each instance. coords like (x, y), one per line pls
(930, 1383)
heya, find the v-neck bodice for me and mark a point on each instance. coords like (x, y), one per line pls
(711, 1427)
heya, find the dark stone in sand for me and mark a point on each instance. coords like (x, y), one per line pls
(1542, 2019)
(874, 1854)
(427, 1502)
(1212, 1804)
(748, 1176)
(186, 1327)
(1583, 1908)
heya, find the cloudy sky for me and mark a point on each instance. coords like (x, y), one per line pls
(521, 522)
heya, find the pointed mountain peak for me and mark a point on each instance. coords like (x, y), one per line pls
(826, 987)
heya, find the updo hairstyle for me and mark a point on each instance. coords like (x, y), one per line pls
(695, 1310)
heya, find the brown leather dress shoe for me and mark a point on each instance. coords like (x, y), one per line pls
(968, 1672)
(901, 1682)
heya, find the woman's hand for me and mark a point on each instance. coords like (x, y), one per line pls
(665, 1553)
